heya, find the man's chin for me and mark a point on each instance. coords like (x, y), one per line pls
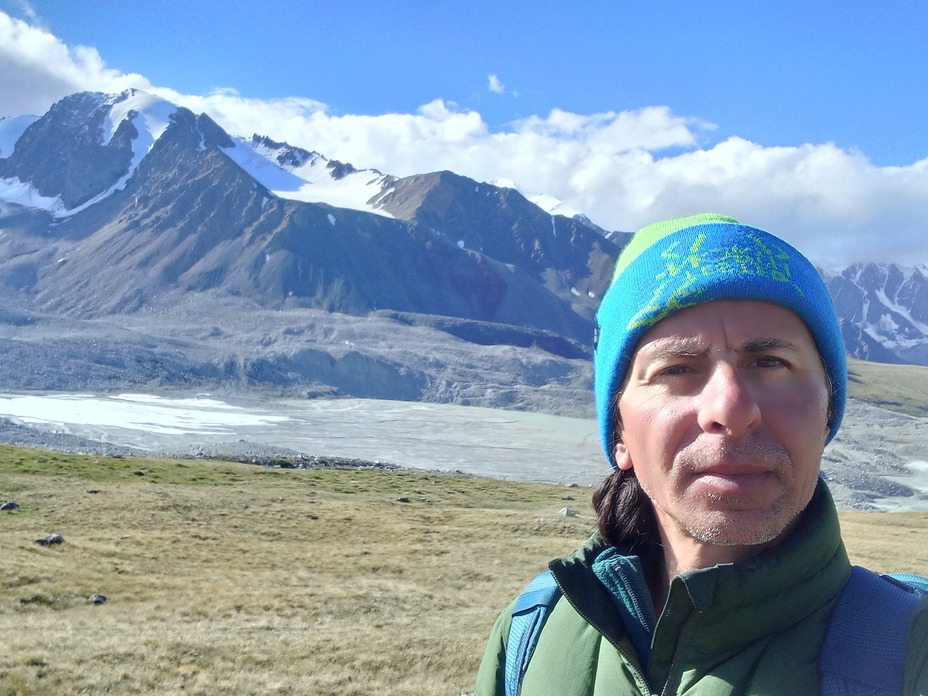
(750, 527)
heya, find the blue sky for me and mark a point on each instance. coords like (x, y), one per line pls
(805, 116)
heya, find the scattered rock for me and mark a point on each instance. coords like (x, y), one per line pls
(402, 499)
(96, 599)
(92, 490)
(9, 505)
(567, 512)
(50, 539)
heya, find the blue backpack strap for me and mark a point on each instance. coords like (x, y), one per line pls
(910, 581)
(864, 652)
(528, 616)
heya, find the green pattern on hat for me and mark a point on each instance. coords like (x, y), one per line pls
(646, 236)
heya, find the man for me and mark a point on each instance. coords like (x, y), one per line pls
(720, 376)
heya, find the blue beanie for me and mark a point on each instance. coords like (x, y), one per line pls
(675, 264)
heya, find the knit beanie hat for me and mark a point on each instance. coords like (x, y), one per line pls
(675, 264)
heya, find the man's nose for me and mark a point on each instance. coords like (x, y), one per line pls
(727, 405)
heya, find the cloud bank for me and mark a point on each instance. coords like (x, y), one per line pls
(623, 169)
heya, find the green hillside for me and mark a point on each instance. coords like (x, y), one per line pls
(902, 388)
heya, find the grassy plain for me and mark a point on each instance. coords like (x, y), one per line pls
(895, 387)
(227, 578)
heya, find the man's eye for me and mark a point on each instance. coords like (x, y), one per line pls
(770, 361)
(671, 370)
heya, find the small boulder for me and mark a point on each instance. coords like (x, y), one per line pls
(96, 599)
(50, 539)
(567, 512)
(9, 505)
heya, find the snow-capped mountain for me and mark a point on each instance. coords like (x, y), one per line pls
(884, 309)
(118, 203)
(296, 174)
(127, 203)
(122, 129)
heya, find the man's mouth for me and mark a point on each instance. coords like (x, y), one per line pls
(735, 481)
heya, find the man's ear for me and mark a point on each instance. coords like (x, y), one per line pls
(623, 458)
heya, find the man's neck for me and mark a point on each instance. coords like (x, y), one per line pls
(683, 553)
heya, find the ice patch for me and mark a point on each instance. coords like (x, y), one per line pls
(133, 412)
(16, 192)
(311, 181)
(918, 478)
(151, 118)
(506, 444)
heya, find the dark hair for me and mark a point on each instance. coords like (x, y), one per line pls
(624, 512)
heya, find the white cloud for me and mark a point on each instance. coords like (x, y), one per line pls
(37, 69)
(623, 169)
(495, 85)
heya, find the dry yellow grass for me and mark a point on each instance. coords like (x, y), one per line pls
(229, 578)
(894, 387)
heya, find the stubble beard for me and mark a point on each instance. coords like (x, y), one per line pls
(722, 520)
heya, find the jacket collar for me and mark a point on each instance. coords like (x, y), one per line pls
(736, 603)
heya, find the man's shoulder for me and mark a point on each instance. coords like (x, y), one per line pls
(868, 641)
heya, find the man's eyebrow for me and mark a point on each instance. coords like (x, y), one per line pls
(676, 347)
(693, 347)
(765, 343)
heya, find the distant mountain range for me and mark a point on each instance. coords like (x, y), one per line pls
(113, 203)
(124, 205)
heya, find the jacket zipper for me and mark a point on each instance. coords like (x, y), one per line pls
(630, 659)
(640, 614)
(681, 640)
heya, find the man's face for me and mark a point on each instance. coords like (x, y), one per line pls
(724, 419)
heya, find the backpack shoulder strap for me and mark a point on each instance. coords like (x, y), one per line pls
(910, 581)
(864, 651)
(528, 616)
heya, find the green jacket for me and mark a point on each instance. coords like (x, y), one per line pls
(745, 628)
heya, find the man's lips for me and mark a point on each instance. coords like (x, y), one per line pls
(737, 467)
(734, 479)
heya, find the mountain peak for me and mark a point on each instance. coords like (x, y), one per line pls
(169, 203)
